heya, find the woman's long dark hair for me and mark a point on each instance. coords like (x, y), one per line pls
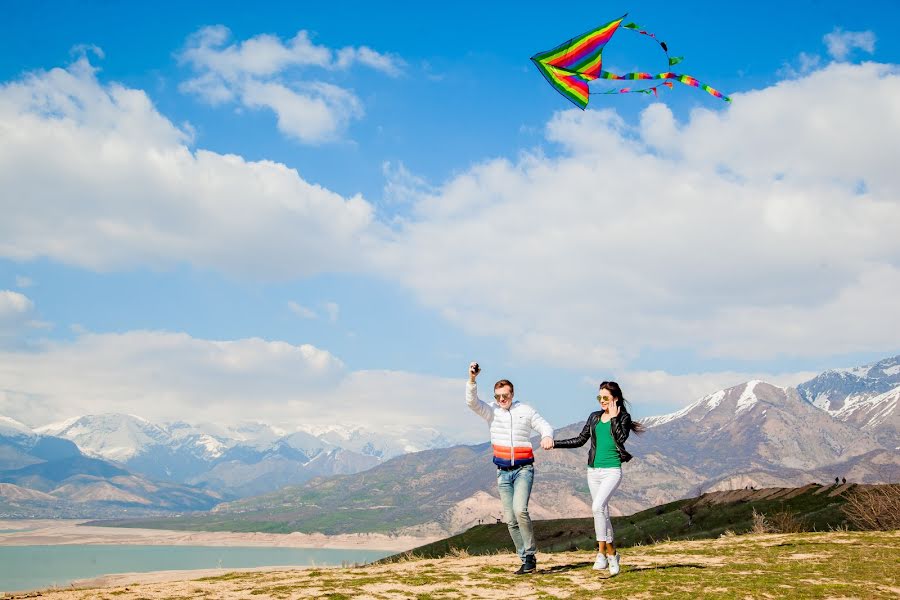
(613, 388)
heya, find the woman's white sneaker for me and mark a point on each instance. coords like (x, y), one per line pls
(601, 562)
(613, 564)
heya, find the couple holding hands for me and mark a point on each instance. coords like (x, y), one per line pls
(511, 424)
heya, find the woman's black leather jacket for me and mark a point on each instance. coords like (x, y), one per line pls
(620, 426)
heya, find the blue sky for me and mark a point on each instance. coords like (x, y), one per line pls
(221, 213)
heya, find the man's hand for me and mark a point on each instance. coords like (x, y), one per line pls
(474, 370)
(547, 443)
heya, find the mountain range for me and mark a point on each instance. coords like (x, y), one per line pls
(752, 435)
(865, 397)
(842, 423)
(213, 461)
(47, 476)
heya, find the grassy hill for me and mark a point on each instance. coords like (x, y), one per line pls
(810, 508)
(836, 564)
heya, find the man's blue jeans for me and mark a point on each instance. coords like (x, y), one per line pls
(515, 489)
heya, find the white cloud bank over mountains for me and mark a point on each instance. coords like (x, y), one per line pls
(167, 376)
(767, 228)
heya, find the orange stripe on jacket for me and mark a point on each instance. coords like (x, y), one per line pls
(521, 452)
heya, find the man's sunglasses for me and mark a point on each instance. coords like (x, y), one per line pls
(502, 396)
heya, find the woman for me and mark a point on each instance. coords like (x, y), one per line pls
(607, 429)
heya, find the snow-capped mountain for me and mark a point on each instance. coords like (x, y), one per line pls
(11, 428)
(837, 389)
(21, 447)
(47, 476)
(865, 397)
(878, 415)
(114, 437)
(385, 443)
(753, 425)
(236, 460)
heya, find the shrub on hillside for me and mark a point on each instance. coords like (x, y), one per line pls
(874, 508)
(783, 521)
(786, 522)
(760, 524)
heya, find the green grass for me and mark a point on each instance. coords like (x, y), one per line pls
(836, 564)
(816, 512)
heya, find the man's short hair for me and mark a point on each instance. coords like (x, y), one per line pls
(504, 382)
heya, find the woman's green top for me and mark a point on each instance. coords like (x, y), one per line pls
(606, 456)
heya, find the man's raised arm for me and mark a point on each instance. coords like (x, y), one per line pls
(472, 400)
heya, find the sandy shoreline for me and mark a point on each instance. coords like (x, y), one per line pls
(144, 578)
(64, 532)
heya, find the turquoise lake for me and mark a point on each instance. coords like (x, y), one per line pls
(30, 567)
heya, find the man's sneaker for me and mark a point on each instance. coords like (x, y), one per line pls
(529, 566)
(601, 562)
(613, 564)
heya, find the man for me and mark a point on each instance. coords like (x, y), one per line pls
(511, 425)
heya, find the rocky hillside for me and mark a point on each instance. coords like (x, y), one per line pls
(45, 476)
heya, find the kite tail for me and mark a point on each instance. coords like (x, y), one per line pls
(685, 79)
(626, 90)
(673, 60)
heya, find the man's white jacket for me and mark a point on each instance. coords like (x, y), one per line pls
(510, 429)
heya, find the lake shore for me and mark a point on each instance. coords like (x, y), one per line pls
(64, 532)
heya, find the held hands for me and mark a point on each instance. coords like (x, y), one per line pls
(474, 370)
(547, 443)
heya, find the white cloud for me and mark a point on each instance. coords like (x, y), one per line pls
(302, 311)
(173, 376)
(841, 43)
(92, 175)
(765, 229)
(401, 185)
(264, 72)
(16, 312)
(806, 63)
(387, 63)
(23, 281)
(14, 305)
(333, 310)
(315, 115)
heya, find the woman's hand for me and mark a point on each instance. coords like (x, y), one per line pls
(613, 410)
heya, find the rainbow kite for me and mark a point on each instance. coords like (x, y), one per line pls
(571, 65)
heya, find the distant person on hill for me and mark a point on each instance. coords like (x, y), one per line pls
(607, 429)
(511, 425)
